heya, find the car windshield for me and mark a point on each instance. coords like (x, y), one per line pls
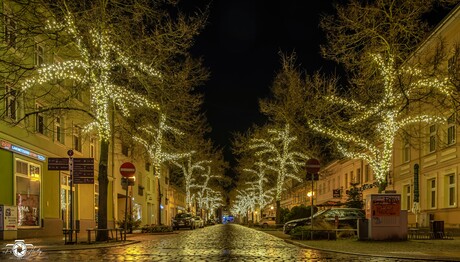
(183, 215)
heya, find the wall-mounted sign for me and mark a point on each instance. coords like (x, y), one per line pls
(20, 150)
(385, 205)
(336, 193)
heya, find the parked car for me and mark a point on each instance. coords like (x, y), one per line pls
(346, 217)
(288, 226)
(199, 222)
(183, 220)
(210, 222)
(267, 221)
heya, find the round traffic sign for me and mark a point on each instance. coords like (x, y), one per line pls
(127, 169)
(312, 166)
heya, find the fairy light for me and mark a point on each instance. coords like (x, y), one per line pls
(281, 157)
(155, 149)
(189, 168)
(264, 196)
(94, 70)
(204, 189)
(378, 152)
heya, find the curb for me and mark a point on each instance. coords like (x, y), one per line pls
(85, 246)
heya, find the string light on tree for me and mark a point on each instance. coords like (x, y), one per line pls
(281, 157)
(99, 57)
(389, 109)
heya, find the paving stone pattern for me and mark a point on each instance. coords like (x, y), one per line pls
(229, 242)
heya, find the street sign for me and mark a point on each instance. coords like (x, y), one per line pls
(312, 166)
(58, 163)
(336, 193)
(83, 170)
(127, 169)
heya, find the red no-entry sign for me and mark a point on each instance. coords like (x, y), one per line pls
(127, 169)
(312, 166)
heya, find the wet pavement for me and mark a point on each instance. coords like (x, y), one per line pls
(229, 242)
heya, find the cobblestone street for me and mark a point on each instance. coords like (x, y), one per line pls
(216, 243)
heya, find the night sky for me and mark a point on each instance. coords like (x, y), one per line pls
(241, 46)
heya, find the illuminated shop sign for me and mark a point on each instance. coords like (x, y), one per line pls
(17, 149)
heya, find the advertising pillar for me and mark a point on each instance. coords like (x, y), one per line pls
(386, 219)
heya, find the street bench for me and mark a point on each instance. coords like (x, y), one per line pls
(68, 235)
(111, 230)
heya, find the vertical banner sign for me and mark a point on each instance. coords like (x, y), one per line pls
(416, 190)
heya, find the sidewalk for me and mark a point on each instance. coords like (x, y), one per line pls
(57, 243)
(430, 250)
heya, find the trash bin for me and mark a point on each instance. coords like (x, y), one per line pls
(363, 229)
(437, 228)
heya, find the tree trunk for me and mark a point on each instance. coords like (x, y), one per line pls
(103, 191)
(278, 211)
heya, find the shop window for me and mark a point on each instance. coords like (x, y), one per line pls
(28, 180)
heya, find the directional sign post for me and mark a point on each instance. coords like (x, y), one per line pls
(58, 163)
(83, 170)
(312, 167)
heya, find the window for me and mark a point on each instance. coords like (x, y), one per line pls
(346, 180)
(125, 150)
(39, 55)
(450, 189)
(58, 130)
(40, 120)
(406, 150)
(11, 103)
(407, 197)
(366, 173)
(28, 179)
(453, 69)
(147, 166)
(77, 138)
(96, 200)
(432, 193)
(352, 177)
(358, 175)
(451, 130)
(432, 146)
(92, 147)
(10, 28)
